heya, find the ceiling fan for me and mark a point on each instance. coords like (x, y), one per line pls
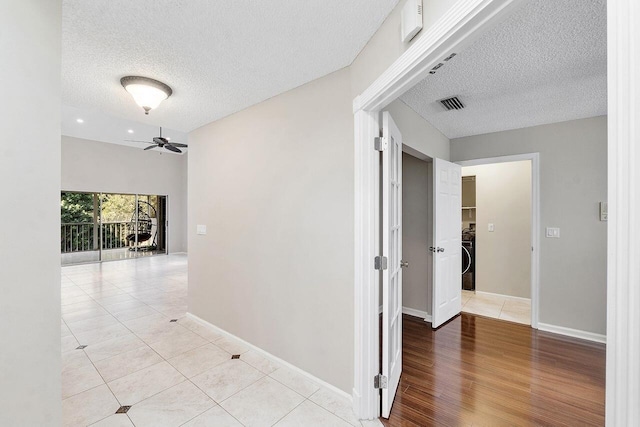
(162, 142)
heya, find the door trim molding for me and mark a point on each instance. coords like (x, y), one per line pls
(462, 24)
(535, 221)
(623, 268)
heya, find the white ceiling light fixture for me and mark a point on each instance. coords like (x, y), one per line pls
(130, 131)
(79, 120)
(148, 93)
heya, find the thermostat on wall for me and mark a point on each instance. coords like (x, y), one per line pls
(411, 19)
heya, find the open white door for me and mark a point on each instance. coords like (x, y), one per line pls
(447, 219)
(392, 251)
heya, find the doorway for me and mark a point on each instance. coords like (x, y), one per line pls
(99, 227)
(442, 250)
(367, 107)
(469, 22)
(496, 239)
(503, 236)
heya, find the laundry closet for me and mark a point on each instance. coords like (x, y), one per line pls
(468, 232)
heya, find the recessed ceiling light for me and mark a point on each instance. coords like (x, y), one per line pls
(148, 93)
(168, 138)
(130, 131)
(79, 120)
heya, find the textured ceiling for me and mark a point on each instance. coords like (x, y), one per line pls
(219, 56)
(546, 63)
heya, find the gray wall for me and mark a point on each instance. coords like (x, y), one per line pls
(274, 186)
(102, 167)
(419, 137)
(573, 179)
(417, 233)
(421, 142)
(503, 256)
(30, 215)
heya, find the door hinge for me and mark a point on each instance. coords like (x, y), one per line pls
(380, 143)
(380, 381)
(380, 263)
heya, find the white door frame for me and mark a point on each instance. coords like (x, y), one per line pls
(461, 25)
(465, 21)
(623, 268)
(535, 220)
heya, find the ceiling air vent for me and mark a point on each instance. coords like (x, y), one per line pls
(452, 103)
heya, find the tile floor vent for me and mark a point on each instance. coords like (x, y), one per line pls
(452, 103)
(123, 409)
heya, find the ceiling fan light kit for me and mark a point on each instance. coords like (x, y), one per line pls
(148, 93)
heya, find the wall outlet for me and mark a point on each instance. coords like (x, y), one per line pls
(553, 232)
(201, 229)
(490, 227)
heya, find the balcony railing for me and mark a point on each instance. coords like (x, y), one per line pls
(84, 236)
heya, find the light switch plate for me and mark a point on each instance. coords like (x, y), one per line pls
(491, 227)
(201, 229)
(553, 232)
(603, 211)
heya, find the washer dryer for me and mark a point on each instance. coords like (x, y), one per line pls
(468, 262)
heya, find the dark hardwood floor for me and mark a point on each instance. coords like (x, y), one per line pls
(476, 371)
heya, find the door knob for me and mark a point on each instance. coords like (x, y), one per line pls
(440, 250)
(404, 264)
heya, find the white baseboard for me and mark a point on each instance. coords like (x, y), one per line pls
(575, 333)
(491, 294)
(274, 358)
(412, 312)
(417, 313)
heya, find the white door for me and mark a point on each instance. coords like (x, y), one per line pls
(392, 250)
(447, 263)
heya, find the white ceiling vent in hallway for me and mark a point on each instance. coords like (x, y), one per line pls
(452, 103)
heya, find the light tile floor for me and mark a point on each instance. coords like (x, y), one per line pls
(497, 306)
(170, 373)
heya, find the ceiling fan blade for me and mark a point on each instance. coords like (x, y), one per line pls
(160, 140)
(135, 140)
(151, 147)
(178, 144)
(172, 148)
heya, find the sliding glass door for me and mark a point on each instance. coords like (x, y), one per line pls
(118, 219)
(80, 229)
(107, 226)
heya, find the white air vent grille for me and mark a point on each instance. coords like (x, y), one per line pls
(452, 103)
